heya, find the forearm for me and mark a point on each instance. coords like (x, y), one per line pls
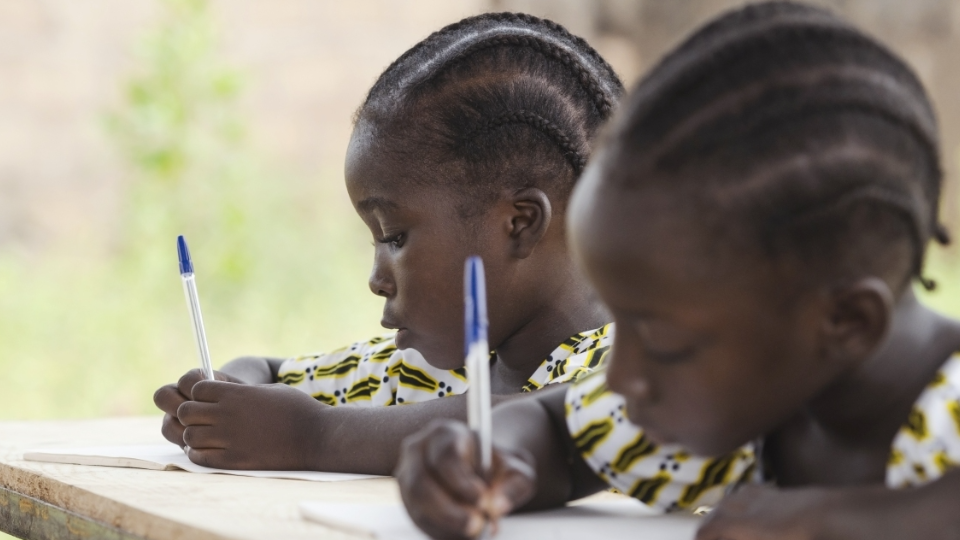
(253, 370)
(367, 439)
(929, 512)
(536, 425)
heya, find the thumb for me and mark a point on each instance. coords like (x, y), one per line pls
(512, 484)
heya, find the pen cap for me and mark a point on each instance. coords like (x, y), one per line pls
(183, 253)
(475, 301)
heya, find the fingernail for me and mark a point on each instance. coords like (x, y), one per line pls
(475, 525)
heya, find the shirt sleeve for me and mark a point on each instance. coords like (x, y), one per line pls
(928, 445)
(666, 478)
(371, 373)
(352, 375)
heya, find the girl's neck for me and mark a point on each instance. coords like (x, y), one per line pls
(844, 436)
(573, 309)
(875, 398)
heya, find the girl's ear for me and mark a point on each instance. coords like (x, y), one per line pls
(529, 220)
(859, 316)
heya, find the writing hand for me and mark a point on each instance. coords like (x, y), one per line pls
(766, 513)
(168, 399)
(251, 427)
(442, 490)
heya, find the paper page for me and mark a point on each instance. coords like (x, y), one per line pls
(603, 519)
(165, 456)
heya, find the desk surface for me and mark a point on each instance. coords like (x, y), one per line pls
(165, 505)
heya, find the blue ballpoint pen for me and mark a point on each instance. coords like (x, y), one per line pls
(478, 359)
(193, 304)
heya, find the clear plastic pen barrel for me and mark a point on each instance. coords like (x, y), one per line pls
(200, 336)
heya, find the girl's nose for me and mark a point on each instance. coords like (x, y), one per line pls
(381, 280)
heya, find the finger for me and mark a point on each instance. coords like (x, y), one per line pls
(723, 531)
(719, 525)
(210, 457)
(197, 413)
(172, 430)
(438, 514)
(212, 391)
(449, 451)
(168, 398)
(220, 376)
(513, 484)
(203, 437)
(190, 378)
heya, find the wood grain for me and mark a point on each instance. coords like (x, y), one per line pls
(167, 504)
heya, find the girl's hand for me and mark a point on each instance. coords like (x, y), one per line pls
(850, 513)
(251, 427)
(766, 513)
(442, 490)
(169, 398)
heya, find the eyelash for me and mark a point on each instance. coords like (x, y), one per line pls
(669, 357)
(395, 240)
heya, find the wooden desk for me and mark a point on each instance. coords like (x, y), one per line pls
(51, 501)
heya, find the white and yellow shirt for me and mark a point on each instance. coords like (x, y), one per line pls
(668, 478)
(375, 373)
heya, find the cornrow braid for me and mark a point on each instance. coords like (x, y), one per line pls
(585, 77)
(810, 132)
(500, 99)
(577, 160)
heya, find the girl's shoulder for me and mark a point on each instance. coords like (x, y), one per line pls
(928, 444)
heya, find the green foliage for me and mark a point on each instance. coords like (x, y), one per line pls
(281, 261)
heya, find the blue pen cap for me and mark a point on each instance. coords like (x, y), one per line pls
(183, 253)
(475, 301)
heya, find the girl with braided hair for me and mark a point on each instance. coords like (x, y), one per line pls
(470, 143)
(754, 220)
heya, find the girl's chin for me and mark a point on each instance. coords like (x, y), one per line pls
(402, 339)
(440, 358)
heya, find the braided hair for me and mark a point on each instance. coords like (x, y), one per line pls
(496, 100)
(787, 122)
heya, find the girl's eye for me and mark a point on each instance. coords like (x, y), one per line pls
(665, 343)
(669, 357)
(395, 240)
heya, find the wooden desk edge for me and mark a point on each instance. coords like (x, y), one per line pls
(39, 507)
(27, 517)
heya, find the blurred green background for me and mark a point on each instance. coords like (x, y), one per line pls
(185, 128)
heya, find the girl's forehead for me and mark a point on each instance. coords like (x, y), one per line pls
(648, 238)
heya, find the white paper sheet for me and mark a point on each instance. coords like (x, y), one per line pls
(166, 456)
(601, 519)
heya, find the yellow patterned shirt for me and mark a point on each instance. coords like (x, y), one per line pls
(375, 373)
(668, 478)
(928, 445)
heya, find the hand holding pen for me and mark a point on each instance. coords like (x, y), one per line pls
(454, 482)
